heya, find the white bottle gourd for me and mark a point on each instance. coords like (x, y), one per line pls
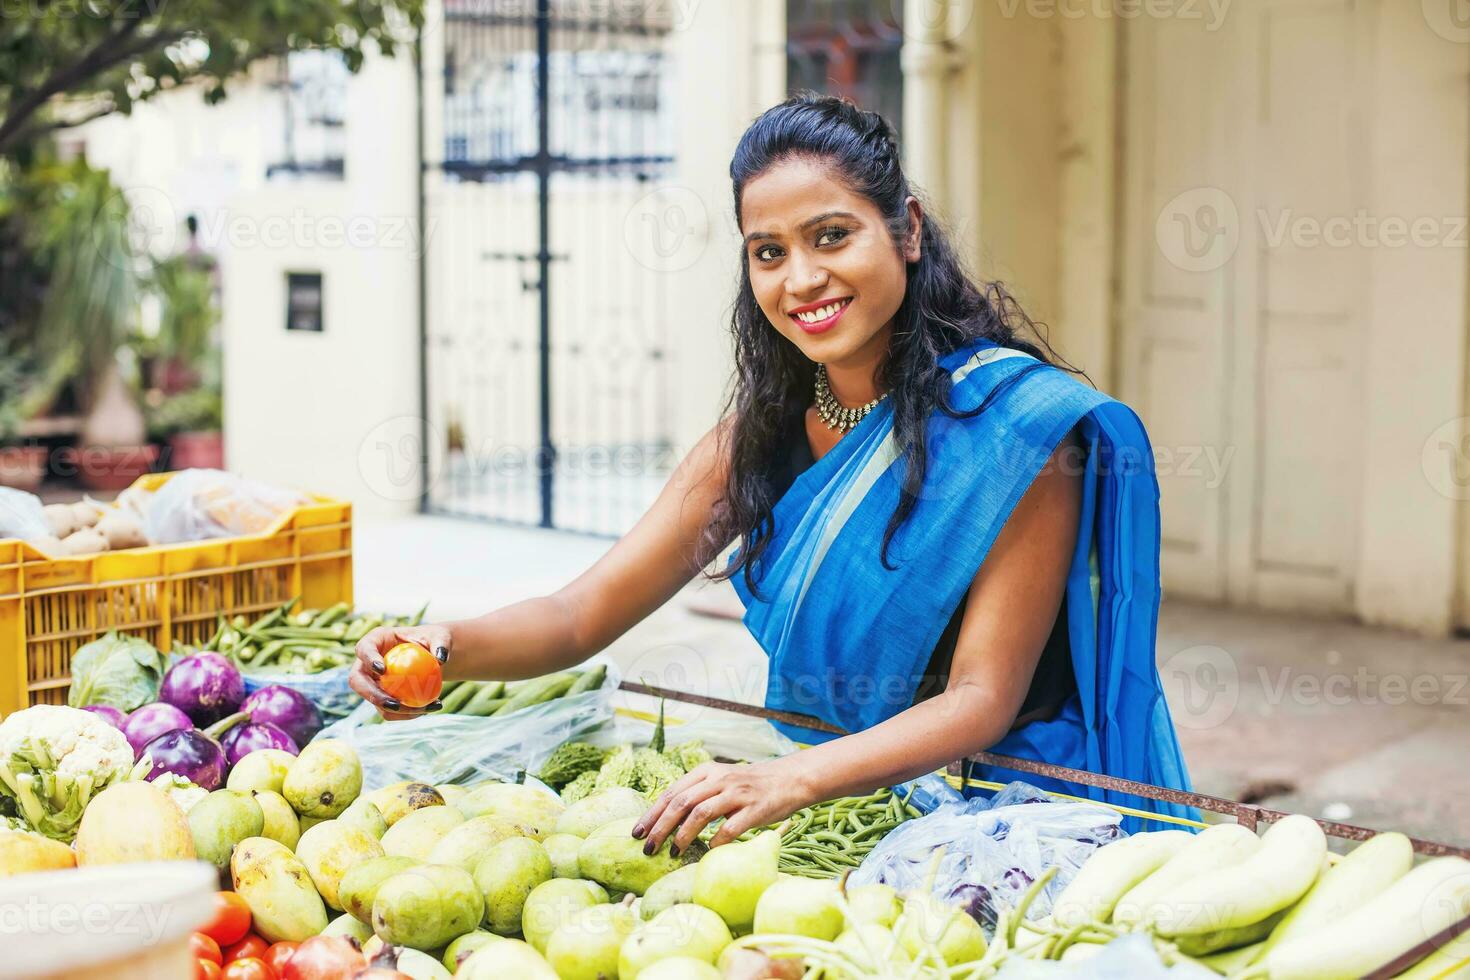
(1429, 898)
(1272, 878)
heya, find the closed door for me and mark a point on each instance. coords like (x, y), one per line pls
(1242, 291)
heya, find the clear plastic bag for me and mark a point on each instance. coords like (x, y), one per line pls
(991, 850)
(21, 515)
(195, 505)
(437, 748)
(327, 689)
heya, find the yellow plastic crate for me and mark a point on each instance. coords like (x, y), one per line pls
(166, 594)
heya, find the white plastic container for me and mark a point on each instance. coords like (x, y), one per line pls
(113, 922)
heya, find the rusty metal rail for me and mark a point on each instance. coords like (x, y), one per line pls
(1247, 814)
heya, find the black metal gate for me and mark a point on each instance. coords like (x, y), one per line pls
(547, 372)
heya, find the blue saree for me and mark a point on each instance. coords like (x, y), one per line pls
(848, 640)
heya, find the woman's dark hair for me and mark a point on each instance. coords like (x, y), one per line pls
(942, 309)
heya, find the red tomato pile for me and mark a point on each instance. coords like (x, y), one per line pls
(225, 949)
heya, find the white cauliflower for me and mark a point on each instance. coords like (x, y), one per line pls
(53, 760)
(180, 790)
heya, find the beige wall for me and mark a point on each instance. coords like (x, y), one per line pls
(733, 56)
(1034, 184)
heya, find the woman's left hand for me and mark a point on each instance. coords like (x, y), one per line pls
(749, 795)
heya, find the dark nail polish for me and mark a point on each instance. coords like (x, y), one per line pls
(648, 849)
(673, 850)
(434, 705)
(379, 666)
(392, 704)
(639, 831)
(442, 653)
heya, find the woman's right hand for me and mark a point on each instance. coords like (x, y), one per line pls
(367, 671)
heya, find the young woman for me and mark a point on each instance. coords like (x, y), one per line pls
(945, 543)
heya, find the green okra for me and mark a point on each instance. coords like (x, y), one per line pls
(488, 692)
(588, 680)
(460, 696)
(331, 614)
(535, 692)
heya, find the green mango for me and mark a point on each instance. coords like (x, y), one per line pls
(528, 806)
(349, 925)
(222, 820)
(284, 904)
(506, 959)
(562, 849)
(324, 780)
(587, 945)
(359, 886)
(366, 817)
(261, 771)
(415, 834)
(601, 808)
(427, 906)
(614, 858)
(459, 950)
(330, 850)
(553, 902)
(674, 888)
(466, 843)
(280, 820)
(683, 930)
(506, 876)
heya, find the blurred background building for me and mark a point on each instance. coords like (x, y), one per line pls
(1246, 218)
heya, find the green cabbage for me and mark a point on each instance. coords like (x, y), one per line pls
(121, 671)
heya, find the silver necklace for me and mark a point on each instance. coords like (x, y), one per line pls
(834, 413)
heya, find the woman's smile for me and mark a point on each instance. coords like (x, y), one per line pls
(821, 316)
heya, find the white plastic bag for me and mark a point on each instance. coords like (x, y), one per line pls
(993, 849)
(195, 505)
(21, 515)
(438, 748)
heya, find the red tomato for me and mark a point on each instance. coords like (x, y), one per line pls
(205, 948)
(252, 946)
(248, 968)
(278, 954)
(411, 674)
(229, 921)
(325, 958)
(206, 970)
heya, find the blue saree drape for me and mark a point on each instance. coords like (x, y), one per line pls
(848, 640)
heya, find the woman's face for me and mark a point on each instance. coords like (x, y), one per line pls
(823, 264)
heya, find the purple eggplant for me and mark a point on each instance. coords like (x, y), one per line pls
(108, 713)
(241, 740)
(188, 753)
(150, 721)
(286, 708)
(205, 686)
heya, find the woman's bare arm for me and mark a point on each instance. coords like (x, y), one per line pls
(1013, 603)
(641, 572)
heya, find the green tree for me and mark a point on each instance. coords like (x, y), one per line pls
(66, 62)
